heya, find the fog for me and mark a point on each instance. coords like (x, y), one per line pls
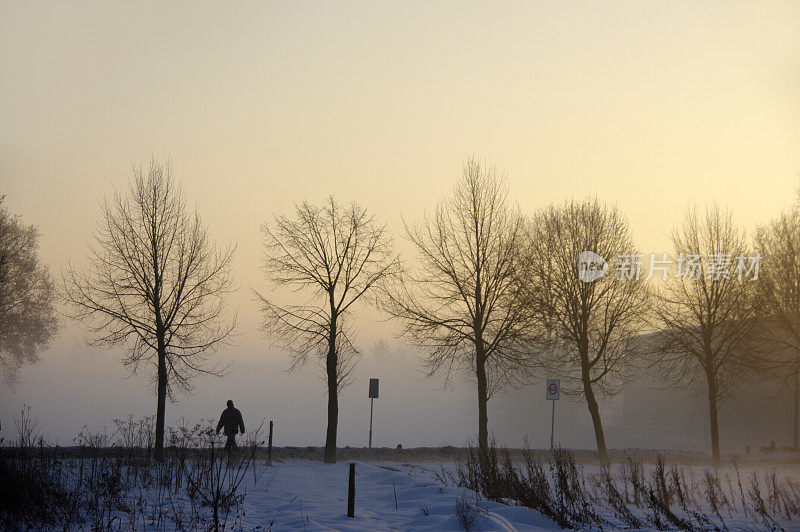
(261, 105)
(76, 385)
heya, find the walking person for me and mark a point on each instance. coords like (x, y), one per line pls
(231, 421)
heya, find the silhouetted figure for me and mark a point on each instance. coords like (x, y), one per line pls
(231, 421)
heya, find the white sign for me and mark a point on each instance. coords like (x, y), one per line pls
(591, 266)
(553, 389)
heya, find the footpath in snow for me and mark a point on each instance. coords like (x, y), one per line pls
(308, 495)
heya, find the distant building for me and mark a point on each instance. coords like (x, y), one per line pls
(651, 413)
(657, 414)
(654, 416)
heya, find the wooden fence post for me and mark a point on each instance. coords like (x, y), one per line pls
(351, 492)
(269, 444)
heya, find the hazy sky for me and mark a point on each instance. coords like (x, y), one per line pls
(650, 105)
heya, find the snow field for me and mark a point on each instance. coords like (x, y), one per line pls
(306, 495)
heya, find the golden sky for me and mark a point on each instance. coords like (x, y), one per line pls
(650, 105)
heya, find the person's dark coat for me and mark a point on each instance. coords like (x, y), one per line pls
(231, 420)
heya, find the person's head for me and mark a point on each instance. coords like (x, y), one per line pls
(229, 403)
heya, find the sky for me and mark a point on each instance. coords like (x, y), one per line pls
(651, 106)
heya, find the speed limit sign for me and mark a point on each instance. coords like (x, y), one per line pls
(552, 392)
(553, 389)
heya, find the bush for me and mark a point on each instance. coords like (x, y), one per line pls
(560, 495)
(111, 482)
(662, 499)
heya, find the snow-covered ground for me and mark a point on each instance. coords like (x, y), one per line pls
(310, 495)
(306, 495)
(117, 489)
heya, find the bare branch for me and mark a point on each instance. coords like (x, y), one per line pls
(155, 283)
(336, 256)
(587, 323)
(463, 304)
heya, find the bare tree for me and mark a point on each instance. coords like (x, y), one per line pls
(27, 295)
(463, 304)
(154, 282)
(588, 319)
(778, 244)
(706, 312)
(336, 256)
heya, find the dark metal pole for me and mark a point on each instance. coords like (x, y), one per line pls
(351, 492)
(552, 423)
(371, 402)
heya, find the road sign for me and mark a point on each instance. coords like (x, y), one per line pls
(373, 388)
(553, 389)
(373, 394)
(552, 393)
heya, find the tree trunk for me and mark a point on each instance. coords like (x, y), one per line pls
(162, 401)
(483, 418)
(594, 410)
(161, 352)
(796, 409)
(331, 362)
(712, 414)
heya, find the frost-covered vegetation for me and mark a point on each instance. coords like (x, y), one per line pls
(631, 494)
(113, 482)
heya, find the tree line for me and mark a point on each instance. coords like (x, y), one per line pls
(491, 293)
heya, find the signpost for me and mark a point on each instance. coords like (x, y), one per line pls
(373, 393)
(552, 394)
